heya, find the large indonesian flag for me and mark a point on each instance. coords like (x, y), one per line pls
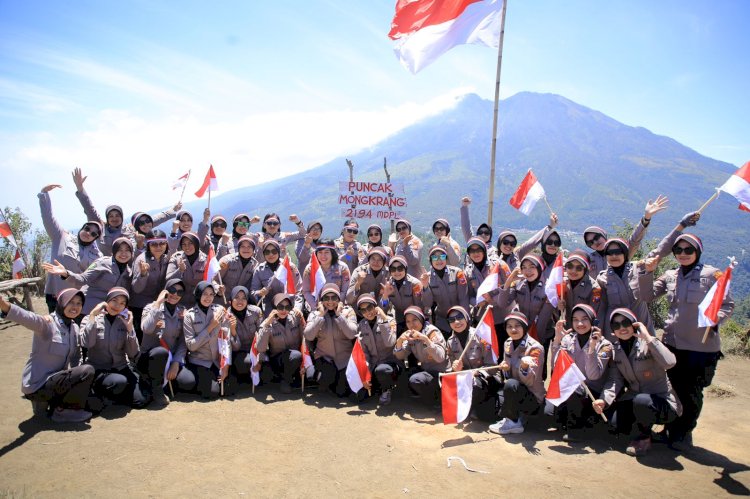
(566, 378)
(357, 371)
(554, 286)
(486, 333)
(426, 29)
(209, 183)
(738, 186)
(212, 265)
(708, 310)
(529, 192)
(317, 277)
(456, 396)
(285, 275)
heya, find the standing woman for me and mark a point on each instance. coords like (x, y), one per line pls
(333, 269)
(478, 267)
(696, 359)
(244, 323)
(333, 327)
(184, 223)
(54, 378)
(640, 363)
(374, 240)
(108, 334)
(307, 245)
(218, 237)
(400, 291)
(523, 390)
(580, 287)
(347, 245)
(378, 336)
(236, 269)
(112, 223)
(410, 247)
(104, 274)
(271, 230)
(442, 231)
(507, 242)
(444, 287)
(428, 346)
(369, 277)
(187, 265)
(162, 335)
(466, 351)
(484, 231)
(265, 284)
(202, 325)
(149, 276)
(141, 224)
(279, 341)
(240, 226)
(74, 252)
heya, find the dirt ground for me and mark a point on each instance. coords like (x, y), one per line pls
(273, 445)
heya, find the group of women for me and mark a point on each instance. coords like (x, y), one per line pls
(132, 318)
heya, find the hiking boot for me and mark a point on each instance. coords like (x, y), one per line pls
(638, 448)
(160, 398)
(385, 398)
(61, 415)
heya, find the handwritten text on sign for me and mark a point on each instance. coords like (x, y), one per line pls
(372, 200)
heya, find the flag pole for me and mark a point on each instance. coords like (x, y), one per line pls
(705, 335)
(704, 205)
(591, 396)
(551, 212)
(493, 151)
(454, 373)
(171, 390)
(185, 185)
(209, 198)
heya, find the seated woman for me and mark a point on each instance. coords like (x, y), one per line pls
(638, 386)
(108, 334)
(428, 346)
(523, 391)
(466, 351)
(333, 326)
(203, 324)
(163, 336)
(244, 324)
(592, 354)
(279, 343)
(378, 336)
(54, 378)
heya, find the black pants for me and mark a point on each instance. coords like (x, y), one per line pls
(517, 399)
(207, 382)
(67, 389)
(121, 386)
(385, 375)
(485, 396)
(330, 377)
(153, 364)
(693, 372)
(137, 316)
(425, 384)
(285, 365)
(636, 416)
(576, 411)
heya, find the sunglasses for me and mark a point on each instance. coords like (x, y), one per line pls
(158, 243)
(483, 233)
(620, 324)
(284, 308)
(176, 291)
(93, 232)
(614, 252)
(397, 268)
(441, 256)
(553, 242)
(456, 318)
(509, 242)
(366, 308)
(243, 224)
(590, 241)
(678, 250)
(438, 228)
(475, 249)
(370, 234)
(272, 223)
(219, 224)
(576, 268)
(272, 251)
(330, 298)
(401, 228)
(352, 231)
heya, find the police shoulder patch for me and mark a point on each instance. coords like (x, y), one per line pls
(461, 277)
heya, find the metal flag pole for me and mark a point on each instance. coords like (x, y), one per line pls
(493, 152)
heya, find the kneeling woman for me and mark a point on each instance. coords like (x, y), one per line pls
(523, 391)
(427, 344)
(592, 354)
(334, 326)
(202, 325)
(638, 386)
(53, 378)
(280, 341)
(467, 351)
(378, 335)
(109, 335)
(162, 335)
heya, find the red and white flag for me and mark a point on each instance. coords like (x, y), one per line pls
(485, 331)
(254, 359)
(212, 264)
(225, 349)
(285, 275)
(738, 186)
(455, 393)
(566, 378)
(426, 29)
(492, 281)
(209, 184)
(357, 371)
(528, 193)
(6, 232)
(164, 345)
(554, 287)
(18, 265)
(708, 310)
(180, 182)
(317, 277)
(307, 362)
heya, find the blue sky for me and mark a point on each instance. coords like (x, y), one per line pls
(136, 93)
